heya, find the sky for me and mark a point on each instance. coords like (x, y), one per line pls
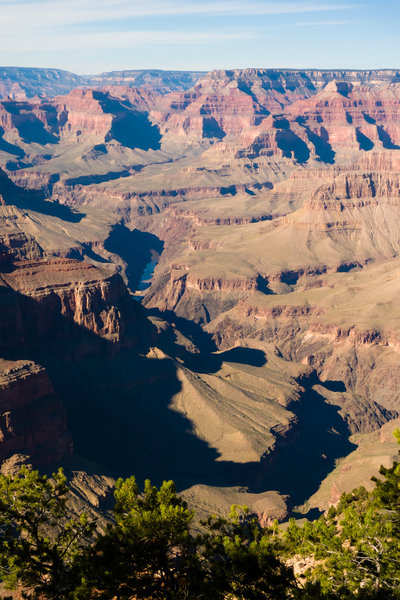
(93, 36)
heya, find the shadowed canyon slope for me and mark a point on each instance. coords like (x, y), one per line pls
(265, 353)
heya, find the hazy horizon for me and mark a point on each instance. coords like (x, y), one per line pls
(232, 68)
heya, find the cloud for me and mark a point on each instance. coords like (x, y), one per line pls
(43, 24)
(31, 27)
(70, 12)
(320, 23)
(116, 40)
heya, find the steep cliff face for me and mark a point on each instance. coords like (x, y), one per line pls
(61, 299)
(40, 122)
(372, 187)
(16, 245)
(338, 121)
(73, 117)
(33, 419)
(53, 311)
(283, 112)
(229, 102)
(81, 111)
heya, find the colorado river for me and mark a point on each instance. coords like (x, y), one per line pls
(147, 275)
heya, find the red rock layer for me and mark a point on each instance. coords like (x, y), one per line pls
(80, 113)
(63, 299)
(339, 108)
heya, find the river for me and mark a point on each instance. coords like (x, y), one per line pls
(147, 276)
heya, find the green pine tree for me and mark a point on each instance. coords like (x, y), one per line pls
(40, 541)
(355, 546)
(148, 552)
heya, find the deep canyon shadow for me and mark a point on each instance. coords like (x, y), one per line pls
(136, 248)
(191, 330)
(211, 363)
(8, 147)
(119, 405)
(291, 144)
(130, 127)
(32, 130)
(35, 200)
(322, 437)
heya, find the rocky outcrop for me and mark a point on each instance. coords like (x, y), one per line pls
(226, 103)
(53, 311)
(310, 112)
(218, 284)
(340, 119)
(17, 245)
(33, 419)
(199, 298)
(358, 187)
(42, 122)
(279, 311)
(61, 299)
(140, 98)
(81, 113)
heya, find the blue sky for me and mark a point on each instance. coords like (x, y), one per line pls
(91, 36)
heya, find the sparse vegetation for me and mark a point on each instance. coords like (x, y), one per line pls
(150, 550)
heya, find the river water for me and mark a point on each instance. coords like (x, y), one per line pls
(147, 276)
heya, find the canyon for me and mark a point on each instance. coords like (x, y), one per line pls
(259, 364)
